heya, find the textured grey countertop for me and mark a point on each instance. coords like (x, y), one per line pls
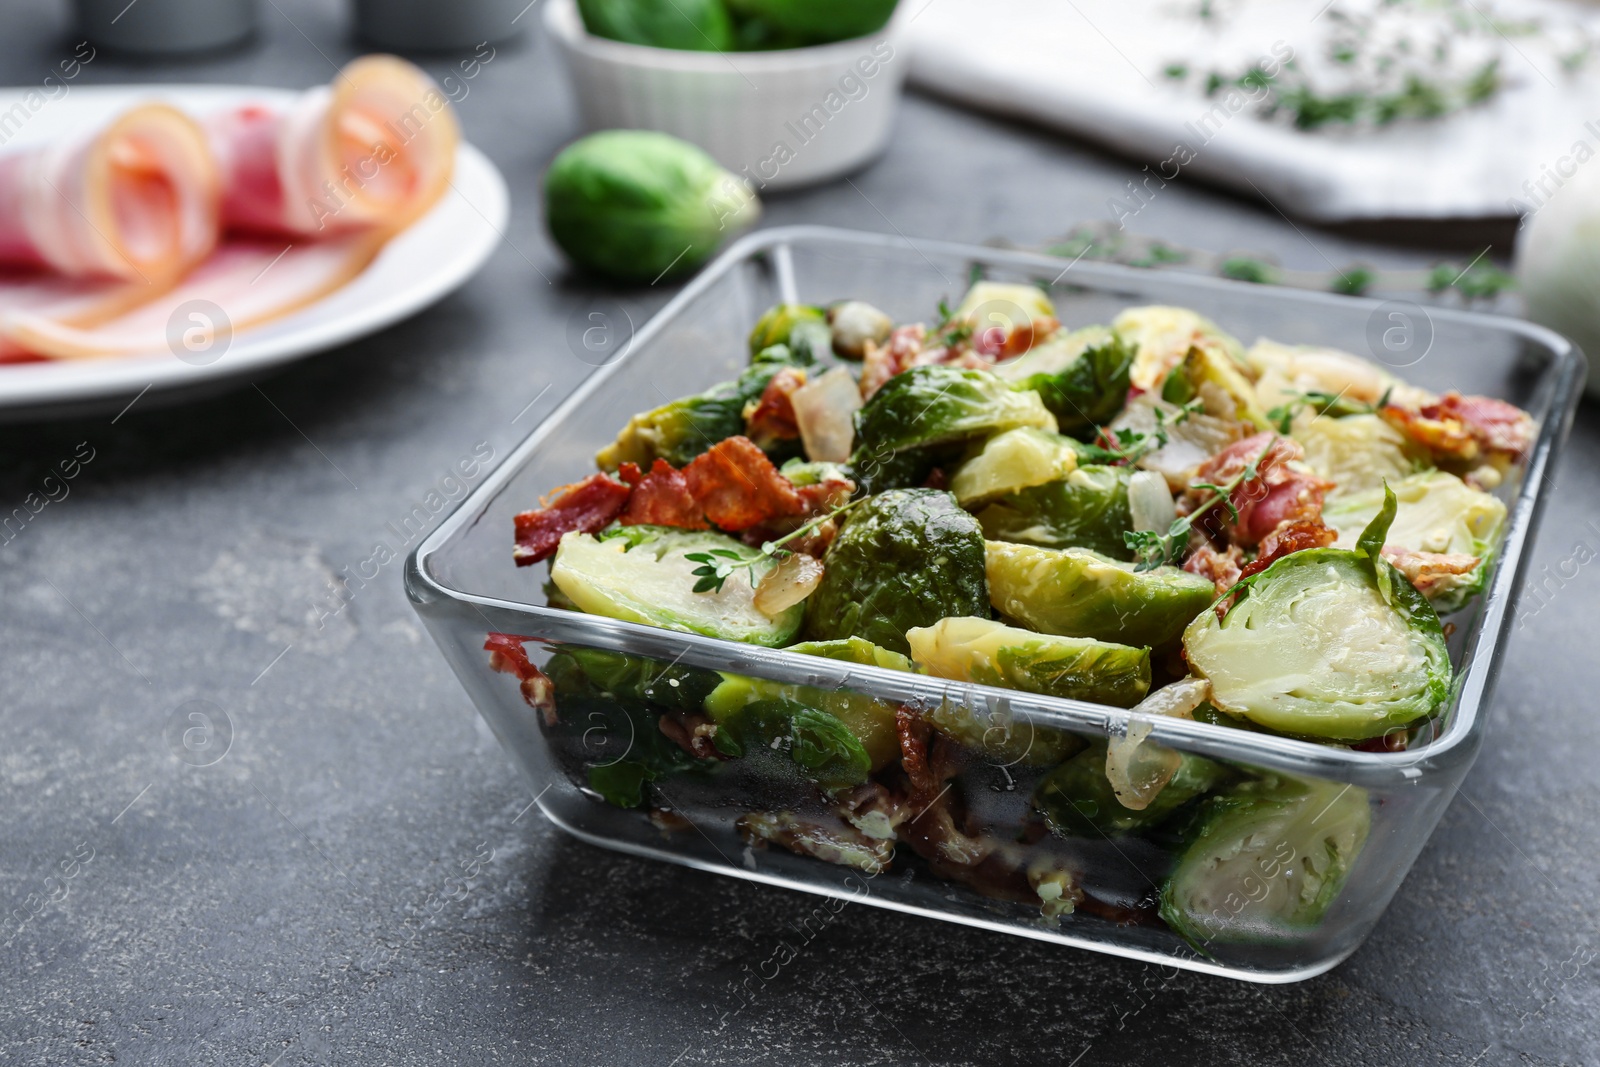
(301, 900)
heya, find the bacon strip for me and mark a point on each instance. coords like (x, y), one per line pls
(773, 419)
(507, 656)
(134, 200)
(1465, 427)
(1429, 571)
(588, 506)
(375, 149)
(1292, 535)
(738, 487)
(660, 498)
(1278, 494)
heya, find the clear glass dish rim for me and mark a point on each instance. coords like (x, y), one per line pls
(1483, 649)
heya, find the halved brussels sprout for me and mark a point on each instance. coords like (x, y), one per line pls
(779, 324)
(1438, 512)
(1006, 306)
(937, 405)
(1285, 373)
(969, 649)
(1077, 800)
(905, 558)
(679, 431)
(1357, 453)
(641, 678)
(1001, 737)
(870, 721)
(1162, 337)
(1326, 643)
(1086, 509)
(1081, 376)
(821, 747)
(641, 574)
(1011, 461)
(1078, 593)
(1266, 860)
(1219, 380)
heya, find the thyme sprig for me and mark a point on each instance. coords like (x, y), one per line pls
(717, 565)
(1152, 549)
(1130, 446)
(1323, 403)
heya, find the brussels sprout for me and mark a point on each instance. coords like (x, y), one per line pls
(905, 558)
(1162, 337)
(1285, 373)
(642, 574)
(1437, 512)
(1082, 377)
(870, 721)
(640, 678)
(854, 324)
(637, 206)
(1001, 737)
(1218, 379)
(694, 25)
(820, 21)
(1078, 593)
(1357, 453)
(1086, 509)
(1077, 800)
(1326, 643)
(1022, 313)
(991, 653)
(679, 431)
(937, 405)
(821, 747)
(1007, 462)
(615, 735)
(777, 325)
(1266, 860)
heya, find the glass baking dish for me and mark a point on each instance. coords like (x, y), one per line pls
(463, 584)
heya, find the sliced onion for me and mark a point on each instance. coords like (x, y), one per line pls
(784, 586)
(824, 410)
(1150, 501)
(1138, 771)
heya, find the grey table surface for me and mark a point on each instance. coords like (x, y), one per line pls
(301, 900)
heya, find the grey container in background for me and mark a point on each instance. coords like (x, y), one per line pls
(437, 25)
(165, 27)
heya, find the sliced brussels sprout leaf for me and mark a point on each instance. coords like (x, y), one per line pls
(692, 25)
(937, 405)
(1002, 737)
(1077, 800)
(1218, 380)
(640, 678)
(682, 429)
(820, 746)
(1082, 377)
(1358, 453)
(905, 558)
(871, 721)
(639, 206)
(1326, 643)
(1436, 512)
(1266, 860)
(643, 574)
(1086, 509)
(1078, 593)
(855, 323)
(778, 323)
(1162, 336)
(969, 649)
(1007, 462)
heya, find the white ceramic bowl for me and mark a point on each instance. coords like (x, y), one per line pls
(780, 118)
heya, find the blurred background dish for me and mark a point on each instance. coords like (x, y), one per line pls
(165, 27)
(422, 263)
(780, 118)
(435, 26)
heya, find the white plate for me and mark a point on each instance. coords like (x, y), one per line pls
(428, 260)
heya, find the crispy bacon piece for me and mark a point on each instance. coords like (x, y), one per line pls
(1465, 427)
(1278, 494)
(691, 732)
(507, 655)
(660, 498)
(772, 419)
(1292, 535)
(998, 343)
(589, 506)
(1430, 572)
(1223, 566)
(884, 361)
(737, 486)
